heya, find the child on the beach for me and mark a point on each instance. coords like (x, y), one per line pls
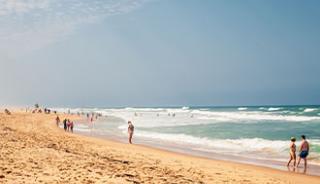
(292, 152)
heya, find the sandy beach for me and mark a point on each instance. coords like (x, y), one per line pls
(34, 150)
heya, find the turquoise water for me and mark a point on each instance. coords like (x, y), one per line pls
(264, 130)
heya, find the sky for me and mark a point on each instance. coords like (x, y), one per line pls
(120, 53)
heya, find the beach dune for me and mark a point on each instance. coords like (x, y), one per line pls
(34, 150)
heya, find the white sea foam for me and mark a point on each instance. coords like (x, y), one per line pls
(142, 109)
(274, 108)
(309, 110)
(242, 108)
(259, 147)
(230, 145)
(254, 115)
(81, 128)
(178, 110)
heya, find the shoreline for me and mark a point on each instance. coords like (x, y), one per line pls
(34, 150)
(312, 170)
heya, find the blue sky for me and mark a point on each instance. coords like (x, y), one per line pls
(159, 52)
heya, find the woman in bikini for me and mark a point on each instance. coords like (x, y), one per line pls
(293, 149)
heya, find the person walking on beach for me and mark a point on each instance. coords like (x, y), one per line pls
(57, 120)
(71, 126)
(130, 131)
(304, 151)
(65, 124)
(292, 152)
(68, 125)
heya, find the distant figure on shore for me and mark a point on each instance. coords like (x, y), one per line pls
(130, 131)
(71, 126)
(65, 124)
(292, 152)
(91, 119)
(46, 111)
(68, 125)
(304, 151)
(57, 120)
(7, 112)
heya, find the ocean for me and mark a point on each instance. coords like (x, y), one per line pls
(254, 134)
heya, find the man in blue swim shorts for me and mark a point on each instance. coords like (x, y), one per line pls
(304, 151)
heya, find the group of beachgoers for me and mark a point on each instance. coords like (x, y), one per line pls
(303, 152)
(67, 124)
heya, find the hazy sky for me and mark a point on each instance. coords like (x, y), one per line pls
(159, 52)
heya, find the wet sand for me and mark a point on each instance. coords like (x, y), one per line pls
(34, 150)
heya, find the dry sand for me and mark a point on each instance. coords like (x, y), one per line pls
(34, 150)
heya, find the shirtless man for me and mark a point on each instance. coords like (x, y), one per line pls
(304, 151)
(130, 131)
